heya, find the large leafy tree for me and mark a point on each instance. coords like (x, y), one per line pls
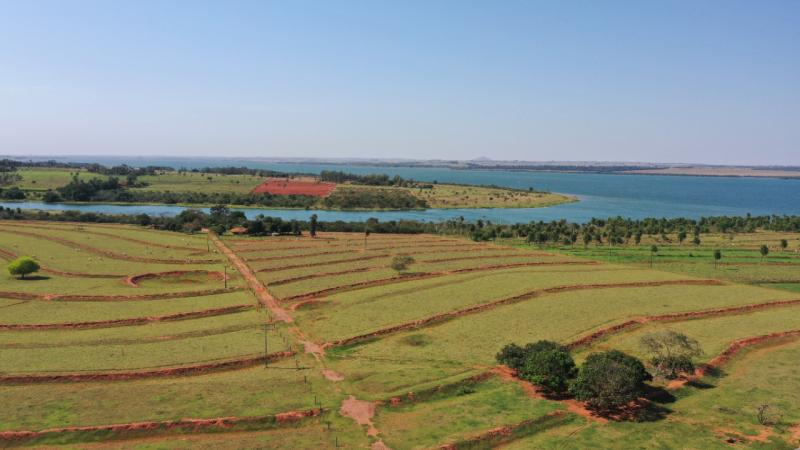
(544, 363)
(22, 266)
(609, 380)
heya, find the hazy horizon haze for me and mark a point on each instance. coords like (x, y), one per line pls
(703, 82)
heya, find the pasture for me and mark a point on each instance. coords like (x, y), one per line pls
(141, 338)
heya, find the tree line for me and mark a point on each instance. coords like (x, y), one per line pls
(223, 216)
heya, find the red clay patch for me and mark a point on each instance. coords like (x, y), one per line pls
(361, 411)
(332, 375)
(285, 186)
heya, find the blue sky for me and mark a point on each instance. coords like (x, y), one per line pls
(683, 81)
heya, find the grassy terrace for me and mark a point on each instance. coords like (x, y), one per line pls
(426, 330)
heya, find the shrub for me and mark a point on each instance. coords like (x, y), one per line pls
(671, 352)
(22, 266)
(611, 379)
(544, 363)
(512, 355)
(400, 263)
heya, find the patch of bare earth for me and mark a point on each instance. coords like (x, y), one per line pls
(361, 412)
(332, 375)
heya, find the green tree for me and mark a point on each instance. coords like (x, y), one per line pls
(312, 226)
(544, 363)
(549, 366)
(609, 380)
(653, 251)
(22, 266)
(671, 352)
(784, 244)
(717, 257)
(681, 236)
(764, 250)
(696, 240)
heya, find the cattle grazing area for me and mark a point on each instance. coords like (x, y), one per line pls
(129, 337)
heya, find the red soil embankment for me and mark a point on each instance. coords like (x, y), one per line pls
(126, 322)
(285, 186)
(324, 263)
(199, 369)
(108, 253)
(426, 275)
(741, 344)
(675, 317)
(495, 437)
(134, 280)
(362, 249)
(115, 236)
(9, 255)
(181, 425)
(509, 300)
(115, 298)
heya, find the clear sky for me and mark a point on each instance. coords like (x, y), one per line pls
(662, 81)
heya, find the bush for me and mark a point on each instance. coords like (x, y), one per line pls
(544, 363)
(13, 193)
(51, 197)
(512, 355)
(22, 266)
(671, 352)
(400, 263)
(609, 380)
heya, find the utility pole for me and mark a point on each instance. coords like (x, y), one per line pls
(225, 275)
(267, 327)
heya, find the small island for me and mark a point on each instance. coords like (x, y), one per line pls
(55, 182)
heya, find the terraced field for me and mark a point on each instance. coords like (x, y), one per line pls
(131, 337)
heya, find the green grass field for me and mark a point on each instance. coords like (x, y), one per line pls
(417, 335)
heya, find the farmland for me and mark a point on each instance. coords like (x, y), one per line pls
(190, 187)
(135, 337)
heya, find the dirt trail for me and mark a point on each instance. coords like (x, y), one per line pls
(257, 286)
(361, 411)
(126, 322)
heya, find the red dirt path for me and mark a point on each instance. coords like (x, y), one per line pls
(284, 186)
(260, 291)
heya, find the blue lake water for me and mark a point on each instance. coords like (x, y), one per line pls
(601, 195)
